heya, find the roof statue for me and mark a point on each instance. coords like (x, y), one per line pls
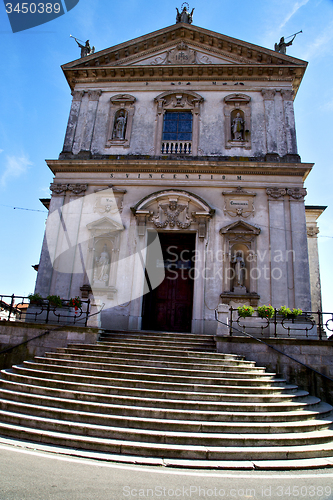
(282, 45)
(184, 16)
(86, 50)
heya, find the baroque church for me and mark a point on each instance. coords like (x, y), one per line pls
(179, 186)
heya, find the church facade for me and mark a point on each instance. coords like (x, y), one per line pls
(179, 186)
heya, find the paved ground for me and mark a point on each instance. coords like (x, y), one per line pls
(26, 474)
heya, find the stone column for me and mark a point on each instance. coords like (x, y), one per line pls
(312, 214)
(289, 120)
(72, 121)
(300, 248)
(270, 120)
(278, 249)
(93, 96)
(45, 267)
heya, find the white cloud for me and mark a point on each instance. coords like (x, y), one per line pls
(1, 150)
(322, 42)
(293, 11)
(14, 167)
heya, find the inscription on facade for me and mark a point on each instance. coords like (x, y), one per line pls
(167, 176)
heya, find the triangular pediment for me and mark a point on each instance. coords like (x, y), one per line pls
(105, 225)
(187, 46)
(240, 227)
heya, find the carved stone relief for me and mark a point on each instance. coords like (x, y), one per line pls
(239, 203)
(109, 202)
(173, 210)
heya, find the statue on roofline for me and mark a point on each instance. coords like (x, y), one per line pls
(282, 45)
(86, 50)
(184, 16)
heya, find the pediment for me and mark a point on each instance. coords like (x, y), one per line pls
(185, 46)
(178, 54)
(240, 227)
(105, 225)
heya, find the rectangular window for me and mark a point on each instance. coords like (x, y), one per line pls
(177, 126)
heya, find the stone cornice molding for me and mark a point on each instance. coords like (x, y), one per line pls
(246, 60)
(193, 166)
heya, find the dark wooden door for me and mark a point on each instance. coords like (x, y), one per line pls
(169, 306)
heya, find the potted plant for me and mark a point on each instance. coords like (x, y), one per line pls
(288, 313)
(266, 311)
(76, 303)
(54, 300)
(245, 311)
(35, 299)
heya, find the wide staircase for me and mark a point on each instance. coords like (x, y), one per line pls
(165, 396)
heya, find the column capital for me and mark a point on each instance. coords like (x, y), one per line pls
(312, 231)
(77, 188)
(268, 94)
(275, 193)
(77, 95)
(287, 95)
(297, 193)
(58, 188)
(94, 95)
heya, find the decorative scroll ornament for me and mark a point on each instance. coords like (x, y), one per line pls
(312, 231)
(275, 193)
(77, 188)
(297, 193)
(171, 211)
(58, 188)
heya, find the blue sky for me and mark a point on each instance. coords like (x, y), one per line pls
(35, 102)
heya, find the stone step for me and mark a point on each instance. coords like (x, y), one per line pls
(184, 359)
(150, 334)
(310, 409)
(190, 452)
(190, 371)
(161, 345)
(182, 353)
(159, 363)
(128, 422)
(233, 386)
(284, 397)
(164, 380)
(174, 338)
(211, 439)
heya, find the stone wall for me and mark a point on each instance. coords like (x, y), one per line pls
(14, 333)
(317, 354)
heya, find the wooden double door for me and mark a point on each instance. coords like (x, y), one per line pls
(169, 306)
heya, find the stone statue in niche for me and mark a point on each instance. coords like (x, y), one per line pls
(102, 266)
(237, 128)
(239, 270)
(119, 127)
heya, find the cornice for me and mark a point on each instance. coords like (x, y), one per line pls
(179, 166)
(249, 61)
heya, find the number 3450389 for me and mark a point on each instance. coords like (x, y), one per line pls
(33, 8)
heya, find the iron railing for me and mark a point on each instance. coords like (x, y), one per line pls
(317, 324)
(19, 308)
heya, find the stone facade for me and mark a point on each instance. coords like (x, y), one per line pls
(235, 181)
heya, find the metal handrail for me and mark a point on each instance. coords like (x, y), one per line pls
(275, 349)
